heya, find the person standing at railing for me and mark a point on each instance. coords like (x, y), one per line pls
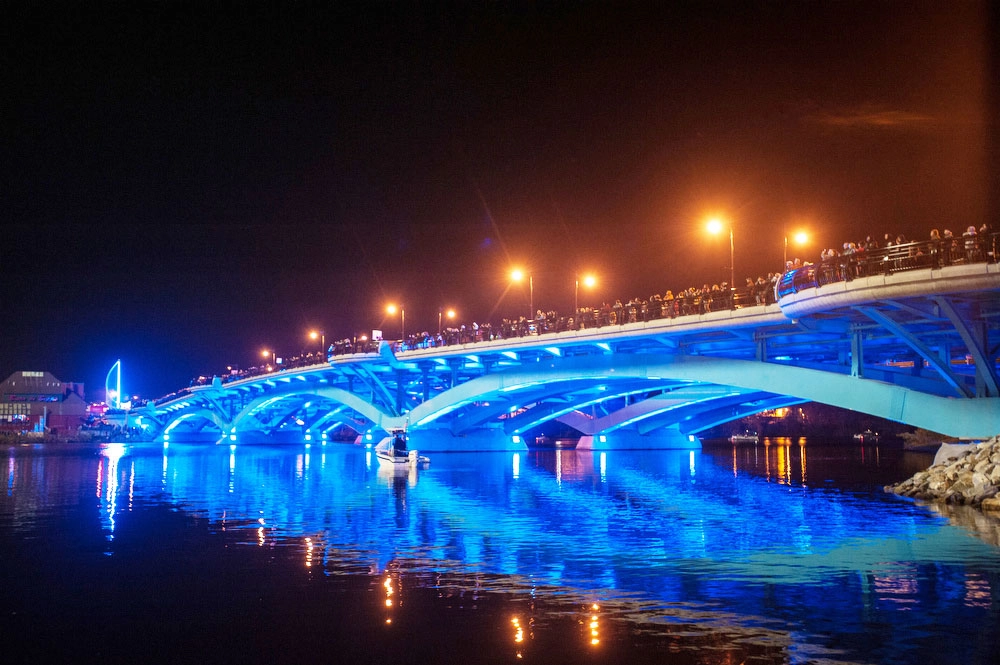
(761, 289)
(668, 304)
(970, 244)
(949, 246)
(935, 248)
(847, 262)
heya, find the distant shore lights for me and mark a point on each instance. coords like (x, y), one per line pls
(113, 387)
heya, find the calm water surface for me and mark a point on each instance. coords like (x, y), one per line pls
(780, 553)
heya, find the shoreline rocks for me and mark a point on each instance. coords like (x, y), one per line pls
(971, 479)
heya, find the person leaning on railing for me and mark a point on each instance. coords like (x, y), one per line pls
(971, 245)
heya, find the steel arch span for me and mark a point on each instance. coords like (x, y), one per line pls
(740, 381)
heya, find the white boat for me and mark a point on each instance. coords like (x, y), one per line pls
(392, 452)
(867, 435)
(745, 437)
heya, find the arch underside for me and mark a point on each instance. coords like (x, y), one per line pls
(693, 393)
(607, 393)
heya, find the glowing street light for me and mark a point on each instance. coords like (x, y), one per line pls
(715, 226)
(450, 313)
(589, 281)
(518, 275)
(391, 309)
(320, 335)
(800, 238)
(265, 354)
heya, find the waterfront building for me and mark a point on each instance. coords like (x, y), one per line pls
(33, 401)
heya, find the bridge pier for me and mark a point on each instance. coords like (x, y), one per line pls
(629, 439)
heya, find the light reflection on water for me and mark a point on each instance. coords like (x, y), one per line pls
(782, 543)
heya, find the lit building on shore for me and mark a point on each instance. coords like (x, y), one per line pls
(31, 401)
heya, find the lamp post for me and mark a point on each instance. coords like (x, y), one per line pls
(320, 335)
(800, 238)
(391, 309)
(265, 353)
(450, 313)
(588, 281)
(715, 226)
(517, 275)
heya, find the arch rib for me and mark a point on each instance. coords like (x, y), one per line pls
(985, 369)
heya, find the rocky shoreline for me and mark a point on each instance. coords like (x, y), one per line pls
(971, 479)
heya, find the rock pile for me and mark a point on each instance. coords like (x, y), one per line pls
(973, 479)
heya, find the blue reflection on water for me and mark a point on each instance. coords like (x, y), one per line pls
(675, 535)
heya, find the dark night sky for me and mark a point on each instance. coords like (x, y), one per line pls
(183, 186)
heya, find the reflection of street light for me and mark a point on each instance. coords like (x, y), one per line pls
(265, 353)
(450, 313)
(588, 281)
(321, 335)
(715, 226)
(800, 238)
(517, 275)
(391, 309)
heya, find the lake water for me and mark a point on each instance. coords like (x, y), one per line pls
(781, 553)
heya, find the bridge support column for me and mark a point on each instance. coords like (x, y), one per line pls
(669, 438)
(371, 437)
(857, 354)
(475, 441)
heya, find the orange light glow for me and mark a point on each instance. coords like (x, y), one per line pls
(519, 632)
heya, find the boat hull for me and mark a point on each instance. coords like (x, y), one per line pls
(389, 457)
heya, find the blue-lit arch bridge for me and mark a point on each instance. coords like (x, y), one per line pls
(917, 346)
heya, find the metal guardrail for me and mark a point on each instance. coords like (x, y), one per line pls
(888, 260)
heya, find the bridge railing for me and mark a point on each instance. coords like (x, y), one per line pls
(980, 248)
(687, 303)
(690, 302)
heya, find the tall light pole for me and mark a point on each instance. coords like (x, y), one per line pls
(800, 238)
(517, 275)
(320, 335)
(265, 353)
(391, 309)
(715, 226)
(588, 281)
(450, 313)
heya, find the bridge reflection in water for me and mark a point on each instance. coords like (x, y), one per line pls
(763, 543)
(779, 553)
(918, 346)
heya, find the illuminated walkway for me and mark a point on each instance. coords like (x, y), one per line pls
(918, 347)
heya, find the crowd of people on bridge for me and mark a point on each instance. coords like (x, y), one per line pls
(854, 259)
(893, 253)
